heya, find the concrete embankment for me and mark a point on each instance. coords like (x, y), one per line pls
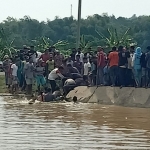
(128, 96)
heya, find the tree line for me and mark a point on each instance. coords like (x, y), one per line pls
(97, 30)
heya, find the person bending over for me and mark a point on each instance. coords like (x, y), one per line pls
(54, 74)
(69, 85)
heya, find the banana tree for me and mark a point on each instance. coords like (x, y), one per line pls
(9, 49)
(83, 44)
(43, 43)
(61, 45)
(115, 40)
(6, 47)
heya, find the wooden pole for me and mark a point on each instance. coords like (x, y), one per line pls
(78, 25)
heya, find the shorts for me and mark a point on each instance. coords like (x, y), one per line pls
(14, 80)
(40, 80)
(9, 80)
(29, 81)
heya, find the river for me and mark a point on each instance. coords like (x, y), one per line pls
(68, 126)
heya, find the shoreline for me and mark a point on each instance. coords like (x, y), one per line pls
(105, 95)
(127, 96)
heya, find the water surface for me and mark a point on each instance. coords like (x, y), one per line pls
(67, 126)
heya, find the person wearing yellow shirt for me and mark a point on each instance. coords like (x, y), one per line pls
(49, 65)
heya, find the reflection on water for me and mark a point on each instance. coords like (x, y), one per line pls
(67, 126)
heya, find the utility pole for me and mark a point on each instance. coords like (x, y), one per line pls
(71, 10)
(78, 25)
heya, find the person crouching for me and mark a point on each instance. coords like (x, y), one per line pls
(54, 74)
(69, 85)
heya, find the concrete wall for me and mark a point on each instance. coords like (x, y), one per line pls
(129, 96)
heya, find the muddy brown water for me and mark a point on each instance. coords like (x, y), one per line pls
(67, 126)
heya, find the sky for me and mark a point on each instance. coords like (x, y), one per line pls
(48, 9)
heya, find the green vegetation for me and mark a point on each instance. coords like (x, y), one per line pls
(6, 46)
(115, 40)
(97, 30)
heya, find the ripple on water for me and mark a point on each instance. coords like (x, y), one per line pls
(72, 127)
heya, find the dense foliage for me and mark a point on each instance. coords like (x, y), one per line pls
(27, 31)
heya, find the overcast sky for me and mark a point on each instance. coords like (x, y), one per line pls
(43, 9)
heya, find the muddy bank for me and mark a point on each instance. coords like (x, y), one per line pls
(129, 96)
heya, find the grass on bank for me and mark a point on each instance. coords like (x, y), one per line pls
(3, 88)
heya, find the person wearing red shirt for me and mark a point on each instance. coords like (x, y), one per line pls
(100, 65)
(113, 60)
(45, 56)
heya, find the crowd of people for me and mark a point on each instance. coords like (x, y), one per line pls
(121, 67)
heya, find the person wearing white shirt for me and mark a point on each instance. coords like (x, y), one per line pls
(87, 69)
(81, 55)
(54, 74)
(14, 69)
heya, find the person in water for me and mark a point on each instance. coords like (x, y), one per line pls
(48, 97)
(43, 97)
(37, 96)
(57, 94)
(75, 99)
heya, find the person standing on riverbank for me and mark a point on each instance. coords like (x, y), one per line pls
(100, 65)
(130, 77)
(50, 65)
(29, 75)
(123, 64)
(148, 65)
(6, 65)
(143, 63)
(45, 56)
(113, 60)
(20, 71)
(92, 75)
(86, 70)
(39, 75)
(78, 64)
(14, 69)
(58, 59)
(137, 66)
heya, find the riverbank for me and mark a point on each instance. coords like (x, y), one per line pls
(128, 96)
(3, 88)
